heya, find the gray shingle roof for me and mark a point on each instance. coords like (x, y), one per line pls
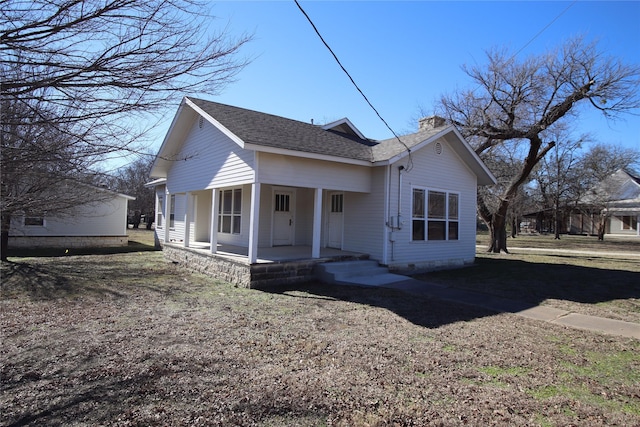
(264, 129)
(268, 130)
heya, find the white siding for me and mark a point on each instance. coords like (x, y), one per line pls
(202, 216)
(108, 218)
(209, 159)
(304, 217)
(299, 172)
(364, 221)
(447, 172)
(176, 233)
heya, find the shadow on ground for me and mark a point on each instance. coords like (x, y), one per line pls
(537, 282)
(488, 287)
(133, 246)
(419, 310)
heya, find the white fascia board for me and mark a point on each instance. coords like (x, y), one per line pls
(216, 123)
(159, 158)
(463, 144)
(306, 155)
(156, 182)
(343, 121)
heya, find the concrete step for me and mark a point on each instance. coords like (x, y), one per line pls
(362, 272)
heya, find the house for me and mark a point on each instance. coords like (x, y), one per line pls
(616, 200)
(254, 189)
(100, 223)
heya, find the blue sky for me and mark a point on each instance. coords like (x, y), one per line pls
(404, 55)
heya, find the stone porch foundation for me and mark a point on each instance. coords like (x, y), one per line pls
(242, 274)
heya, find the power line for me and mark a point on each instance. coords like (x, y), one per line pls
(543, 29)
(354, 83)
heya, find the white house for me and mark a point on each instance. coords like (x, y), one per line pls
(624, 206)
(101, 223)
(238, 181)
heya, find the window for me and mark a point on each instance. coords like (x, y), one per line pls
(230, 211)
(337, 201)
(31, 220)
(172, 212)
(629, 222)
(160, 211)
(434, 215)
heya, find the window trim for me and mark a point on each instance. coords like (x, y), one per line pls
(172, 212)
(429, 221)
(160, 211)
(41, 219)
(233, 213)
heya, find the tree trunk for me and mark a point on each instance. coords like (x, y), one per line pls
(498, 228)
(4, 236)
(602, 226)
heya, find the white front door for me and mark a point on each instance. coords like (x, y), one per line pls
(283, 203)
(335, 220)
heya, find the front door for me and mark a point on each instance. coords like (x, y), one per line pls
(335, 221)
(283, 218)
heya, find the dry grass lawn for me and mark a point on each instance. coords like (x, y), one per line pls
(127, 339)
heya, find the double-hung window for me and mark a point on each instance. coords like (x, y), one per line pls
(172, 211)
(230, 211)
(160, 211)
(434, 215)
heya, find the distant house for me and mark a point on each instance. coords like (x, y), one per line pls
(94, 224)
(616, 200)
(260, 189)
(612, 207)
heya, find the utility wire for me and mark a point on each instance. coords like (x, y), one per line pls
(410, 165)
(543, 29)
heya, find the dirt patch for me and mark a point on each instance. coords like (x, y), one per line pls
(129, 340)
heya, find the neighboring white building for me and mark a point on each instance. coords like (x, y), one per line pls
(95, 224)
(623, 203)
(236, 177)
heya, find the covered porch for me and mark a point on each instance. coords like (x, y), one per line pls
(257, 223)
(275, 265)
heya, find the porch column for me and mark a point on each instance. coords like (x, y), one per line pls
(187, 218)
(317, 223)
(213, 234)
(254, 225)
(167, 212)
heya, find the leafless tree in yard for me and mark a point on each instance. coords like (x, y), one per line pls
(131, 179)
(82, 81)
(516, 104)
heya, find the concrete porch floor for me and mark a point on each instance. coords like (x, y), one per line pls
(272, 254)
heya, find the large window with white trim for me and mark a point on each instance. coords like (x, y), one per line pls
(434, 215)
(230, 211)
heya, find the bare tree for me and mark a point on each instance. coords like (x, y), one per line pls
(518, 103)
(131, 179)
(82, 81)
(557, 176)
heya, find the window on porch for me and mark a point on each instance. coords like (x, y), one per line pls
(230, 211)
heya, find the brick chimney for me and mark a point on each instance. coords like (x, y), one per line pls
(431, 122)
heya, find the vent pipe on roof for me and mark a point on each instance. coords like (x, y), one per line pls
(431, 122)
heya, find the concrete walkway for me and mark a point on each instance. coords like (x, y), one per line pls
(528, 310)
